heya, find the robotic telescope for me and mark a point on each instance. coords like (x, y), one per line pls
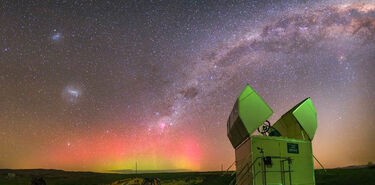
(282, 154)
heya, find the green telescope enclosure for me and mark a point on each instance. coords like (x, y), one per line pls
(282, 153)
(249, 112)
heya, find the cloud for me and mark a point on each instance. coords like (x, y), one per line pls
(190, 92)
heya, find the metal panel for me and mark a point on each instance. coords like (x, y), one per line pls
(285, 167)
(236, 130)
(243, 162)
(305, 113)
(253, 110)
(249, 112)
(289, 127)
(300, 122)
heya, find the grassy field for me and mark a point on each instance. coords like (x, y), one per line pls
(57, 177)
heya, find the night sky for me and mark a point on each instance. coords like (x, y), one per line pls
(102, 85)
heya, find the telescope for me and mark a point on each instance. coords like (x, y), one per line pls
(281, 154)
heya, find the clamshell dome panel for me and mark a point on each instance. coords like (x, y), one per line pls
(300, 122)
(249, 112)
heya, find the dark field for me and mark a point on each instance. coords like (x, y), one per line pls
(56, 177)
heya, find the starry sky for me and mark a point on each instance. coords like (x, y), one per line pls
(101, 85)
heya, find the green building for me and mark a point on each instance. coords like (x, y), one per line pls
(282, 153)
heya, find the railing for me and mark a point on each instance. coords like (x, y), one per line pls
(249, 170)
(240, 175)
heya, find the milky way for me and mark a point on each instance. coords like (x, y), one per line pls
(102, 85)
